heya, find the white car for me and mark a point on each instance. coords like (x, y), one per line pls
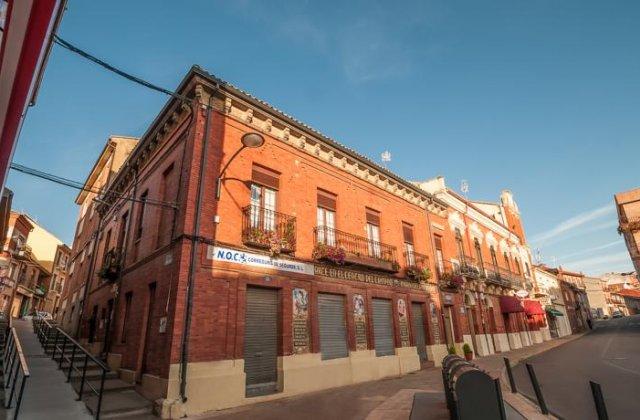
(617, 314)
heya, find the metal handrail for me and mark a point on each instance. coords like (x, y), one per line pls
(46, 331)
(355, 244)
(14, 362)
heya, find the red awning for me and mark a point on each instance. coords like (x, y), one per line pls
(533, 307)
(510, 304)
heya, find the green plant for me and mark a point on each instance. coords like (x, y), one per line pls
(466, 349)
(452, 350)
(335, 254)
(395, 266)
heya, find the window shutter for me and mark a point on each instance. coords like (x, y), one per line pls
(327, 200)
(438, 241)
(267, 177)
(373, 217)
(407, 232)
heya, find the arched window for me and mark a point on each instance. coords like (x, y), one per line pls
(518, 270)
(506, 261)
(476, 245)
(459, 245)
(494, 258)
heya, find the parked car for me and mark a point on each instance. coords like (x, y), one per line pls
(617, 314)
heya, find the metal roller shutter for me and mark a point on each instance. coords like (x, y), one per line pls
(261, 341)
(333, 329)
(418, 330)
(383, 327)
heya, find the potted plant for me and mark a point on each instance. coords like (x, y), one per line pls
(468, 353)
(451, 350)
(334, 254)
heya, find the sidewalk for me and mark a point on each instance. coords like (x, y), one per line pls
(46, 394)
(392, 398)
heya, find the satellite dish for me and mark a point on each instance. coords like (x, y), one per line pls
(386, 156)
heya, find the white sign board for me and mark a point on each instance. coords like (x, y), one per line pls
(522, 293)
(217, 253)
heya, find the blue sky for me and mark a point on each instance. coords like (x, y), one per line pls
(539, 97)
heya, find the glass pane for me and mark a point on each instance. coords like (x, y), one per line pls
(411, 259)
(373, 233)
(320, 224)
(331, 225)
(256, 192)
(269, 209)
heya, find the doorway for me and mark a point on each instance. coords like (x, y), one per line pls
(148, 329)
(417, 319)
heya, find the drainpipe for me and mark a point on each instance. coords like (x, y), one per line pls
(195, 242)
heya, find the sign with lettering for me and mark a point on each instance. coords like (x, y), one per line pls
(434, 321)
(404, 324)
(371, 278)
(300, 318)
(360, 321)
(257, 260)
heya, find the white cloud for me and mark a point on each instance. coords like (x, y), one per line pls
(603, 261)
(575, 222)
(592, 249)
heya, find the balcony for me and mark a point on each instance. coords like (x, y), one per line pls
(111, 265)
(268, 229)
(417, 266)
(469, 268)
(449, 276)
(501, 276)
(341, 247)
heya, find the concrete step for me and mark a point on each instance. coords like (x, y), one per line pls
(110, 385)
(119, 404)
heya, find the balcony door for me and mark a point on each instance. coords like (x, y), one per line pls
(373, 233)
(263, 207)
(326, 217)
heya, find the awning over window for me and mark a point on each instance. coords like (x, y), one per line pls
(553, 311)
(533, 307)
(510, 304)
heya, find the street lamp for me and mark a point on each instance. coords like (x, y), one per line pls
(250, 140)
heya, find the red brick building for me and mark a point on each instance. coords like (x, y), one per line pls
(310, 271)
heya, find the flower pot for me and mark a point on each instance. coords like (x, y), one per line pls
(468, 356)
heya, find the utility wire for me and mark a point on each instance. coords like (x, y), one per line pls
(65, 44)
(81, 186)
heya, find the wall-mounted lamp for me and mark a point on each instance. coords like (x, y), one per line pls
(250, 140)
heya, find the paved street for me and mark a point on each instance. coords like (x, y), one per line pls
(609, 356)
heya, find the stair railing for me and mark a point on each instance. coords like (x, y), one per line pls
(15, 369)
(53, 338)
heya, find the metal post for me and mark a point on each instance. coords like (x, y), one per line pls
(17, 410)
(84, 373)
(73, 355)
(55, 345)
(512, 381)
(503, 413)
(64, 347)
(104, 372)
(536, 388)
(598, 399)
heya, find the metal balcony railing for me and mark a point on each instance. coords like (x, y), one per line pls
(268, 229)
(354, 249)
(111, 265)
(449, 275)
(417, 266)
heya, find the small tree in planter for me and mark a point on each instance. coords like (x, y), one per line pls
(468, 353)
(451, 350)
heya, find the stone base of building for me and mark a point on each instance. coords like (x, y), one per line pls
(436, 353)
(502, 342)
(546, 334)
(536, 336)
(515, 340)
(485, 345)
(221, 384)
(525, 338)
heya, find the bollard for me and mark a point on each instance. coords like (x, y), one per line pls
(536, 388)
(512, 381)
(503, 414)
(598, 399)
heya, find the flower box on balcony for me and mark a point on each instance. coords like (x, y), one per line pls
(110, 269)
(374, 262)
(450, 281)
(417, 273)
(330, 253)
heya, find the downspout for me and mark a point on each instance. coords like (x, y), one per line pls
(195, 241)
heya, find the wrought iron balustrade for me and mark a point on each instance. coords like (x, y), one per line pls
(268, 229)
(335, 245)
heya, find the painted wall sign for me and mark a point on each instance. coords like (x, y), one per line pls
(257, 260)
(404, 324)
(371, 278)
(300, 321)
(360, 320)
(434, 321)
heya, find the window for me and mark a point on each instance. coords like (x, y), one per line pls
(123, 230)
(437, 241)
(527, 269)
(143, 207)
(506, 261)
(407, 233)
(459, 245)
(168, 191)
(494, 258)
(373, 232)
(263, 197)
(107, 244)
(517, 264)
(476, 245)
(125, 317)
(326, 218)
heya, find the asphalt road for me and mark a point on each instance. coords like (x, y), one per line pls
(610, 355)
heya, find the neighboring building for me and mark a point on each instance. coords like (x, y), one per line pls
(628, 206)
(619, 281)
(484, 243)
(14, 252)
(550, 295)
(616, 303)
(81, 263)
(25, 44)
(631, 299)
(595, 288)
(575, 298)
(49, 252)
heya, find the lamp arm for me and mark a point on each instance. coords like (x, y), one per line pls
(224, 169)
